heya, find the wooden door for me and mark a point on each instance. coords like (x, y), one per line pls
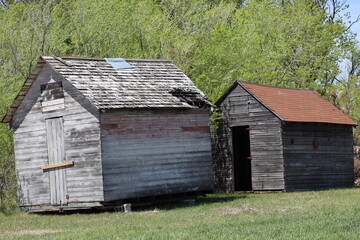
(56, 155)
(241, 158)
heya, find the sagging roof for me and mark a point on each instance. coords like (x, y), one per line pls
(294, 105)
(121, 83)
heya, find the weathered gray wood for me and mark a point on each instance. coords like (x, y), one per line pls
(168, 150)
(283, 155)
(53, 102)
(155, 152)
(241, 109)
(53, 108)
(330, 165)
(30, 127)
(56, 155)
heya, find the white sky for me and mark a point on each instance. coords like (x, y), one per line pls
(354, 9)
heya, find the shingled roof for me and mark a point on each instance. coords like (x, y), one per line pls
(294, 105)
(145, 84)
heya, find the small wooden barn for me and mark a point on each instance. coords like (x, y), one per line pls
(94, 132)
(283, 139)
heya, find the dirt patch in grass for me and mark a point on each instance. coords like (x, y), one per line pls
(155, 211)
(37, 232)
(31, 232)
(238, 210)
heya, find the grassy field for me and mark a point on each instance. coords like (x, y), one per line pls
(332, 214)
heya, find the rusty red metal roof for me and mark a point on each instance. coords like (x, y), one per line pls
(297, 105)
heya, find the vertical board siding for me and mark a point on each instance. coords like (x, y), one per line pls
(148, 153)
(81, 145)
(329, 165)
(241, 109)
(222, 156)
(57, 176)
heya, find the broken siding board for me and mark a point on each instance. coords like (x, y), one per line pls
(53, 108)
(53, 102)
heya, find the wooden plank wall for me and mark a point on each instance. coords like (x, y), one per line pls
(82, 145)
(222, 156)
(241, 109)
(330, 165)
(155, 152)
(52, 97)
(56, 155)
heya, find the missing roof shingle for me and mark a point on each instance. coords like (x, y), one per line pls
(191, 97)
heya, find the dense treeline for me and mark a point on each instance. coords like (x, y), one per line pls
(294, 43)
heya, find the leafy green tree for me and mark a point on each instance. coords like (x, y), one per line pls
(281, 43)
(346, 92)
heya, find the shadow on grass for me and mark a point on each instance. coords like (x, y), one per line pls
(209, 199)
(200, 200)
(175, 204)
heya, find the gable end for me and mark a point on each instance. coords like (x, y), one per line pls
(238, 83)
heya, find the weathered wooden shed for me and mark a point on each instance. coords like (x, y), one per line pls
(94, 132)
(273, 138)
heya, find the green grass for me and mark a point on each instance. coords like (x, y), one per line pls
(332, 214)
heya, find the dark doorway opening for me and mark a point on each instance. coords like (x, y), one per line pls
(242, 158)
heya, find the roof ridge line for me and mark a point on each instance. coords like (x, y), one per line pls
(147, 60)
(258, 84)
(103, 59)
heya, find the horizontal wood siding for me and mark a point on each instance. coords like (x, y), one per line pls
(241, 109)
(148, 153)
(82, 145)
(330, 165)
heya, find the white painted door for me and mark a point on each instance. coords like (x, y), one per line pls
(55, 144)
